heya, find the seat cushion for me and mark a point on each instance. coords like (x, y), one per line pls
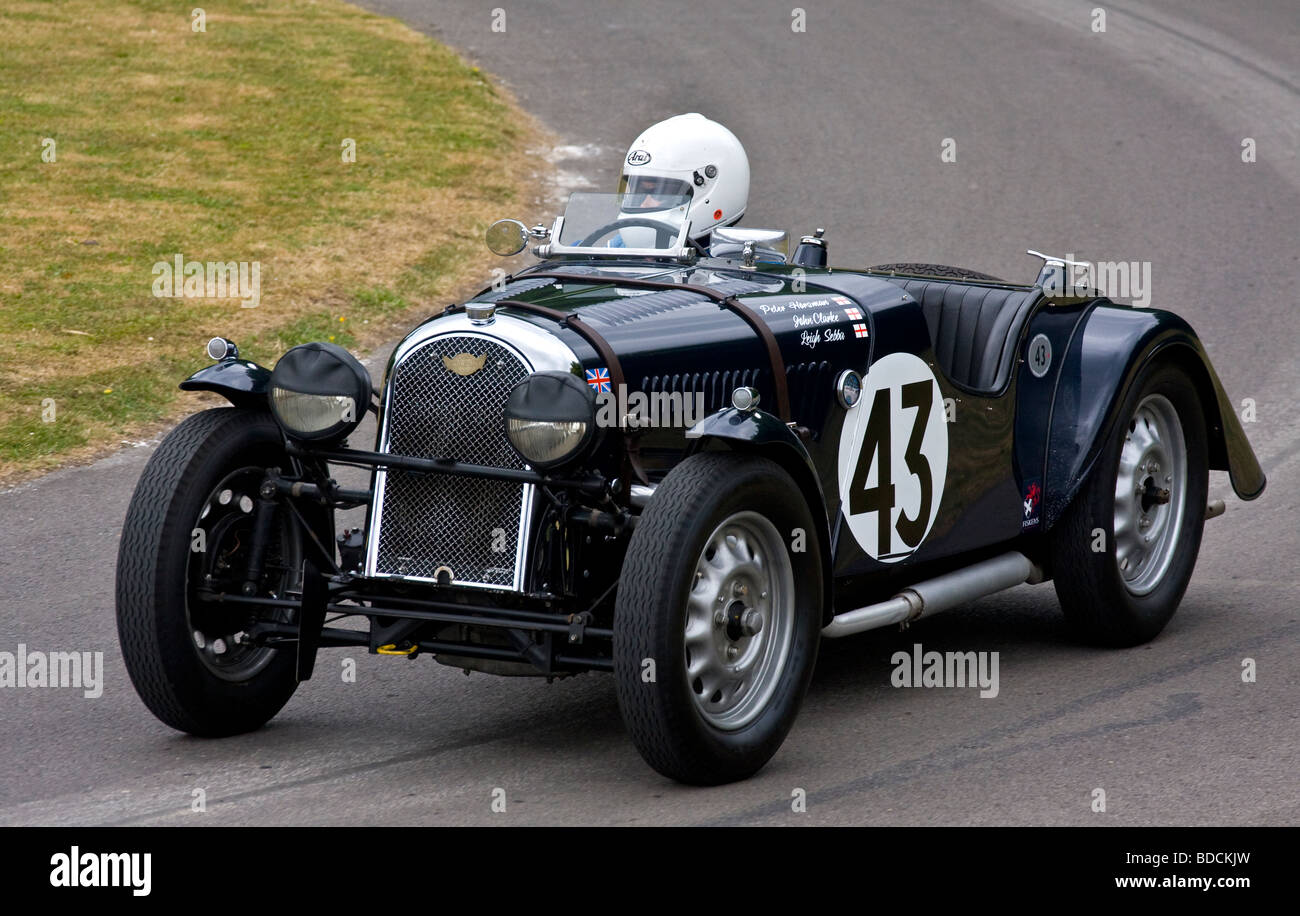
(975, 329)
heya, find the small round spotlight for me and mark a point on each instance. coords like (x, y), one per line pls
(220, 348)
(744, 398)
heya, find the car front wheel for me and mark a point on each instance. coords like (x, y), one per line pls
(718, 618)
(185, 543)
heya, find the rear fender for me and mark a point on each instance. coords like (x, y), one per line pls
(1112, 345)
(761, 433)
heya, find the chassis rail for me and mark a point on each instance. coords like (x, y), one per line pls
(381, 610)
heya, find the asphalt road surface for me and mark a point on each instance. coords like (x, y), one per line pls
(1125, 144)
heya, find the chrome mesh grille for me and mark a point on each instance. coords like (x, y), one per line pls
(428, 521)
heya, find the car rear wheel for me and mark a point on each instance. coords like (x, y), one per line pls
(718, 618)
(1124, 551)
(186, 536)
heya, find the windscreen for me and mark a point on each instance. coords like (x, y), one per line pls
(602, 220)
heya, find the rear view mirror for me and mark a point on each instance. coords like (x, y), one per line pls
(506, 237)
(763, 245)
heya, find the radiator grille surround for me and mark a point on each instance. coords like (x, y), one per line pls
(422, 525)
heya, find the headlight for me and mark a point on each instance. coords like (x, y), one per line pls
(319, 392)
(550, 418)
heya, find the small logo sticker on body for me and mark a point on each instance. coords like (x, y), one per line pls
(859, 330)
(853, 314)
(1031, 505)
(638, 157)
(598, 379)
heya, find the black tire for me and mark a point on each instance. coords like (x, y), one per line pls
(154, 563)
(936, 270)
(1099, 606)
(668, 717)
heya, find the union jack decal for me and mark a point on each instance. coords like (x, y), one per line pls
(598, 379)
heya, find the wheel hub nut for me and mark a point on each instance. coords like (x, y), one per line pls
(751, 622)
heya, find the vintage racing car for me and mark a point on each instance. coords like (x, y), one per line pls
(683, 463)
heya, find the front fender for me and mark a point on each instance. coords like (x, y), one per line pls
(239, 381)
(1105, 356)
(764, 434)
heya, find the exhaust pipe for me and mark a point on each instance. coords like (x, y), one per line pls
(938, 594)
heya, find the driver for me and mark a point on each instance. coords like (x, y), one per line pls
(685, 159)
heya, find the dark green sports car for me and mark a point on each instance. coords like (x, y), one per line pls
(683, 463)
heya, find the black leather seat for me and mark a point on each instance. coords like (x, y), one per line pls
(975, 329)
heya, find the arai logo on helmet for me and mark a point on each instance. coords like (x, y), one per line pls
(638, 157)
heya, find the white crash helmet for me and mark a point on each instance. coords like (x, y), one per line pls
(686, 156)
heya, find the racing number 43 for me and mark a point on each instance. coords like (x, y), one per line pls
(898, 428)
(876, 447)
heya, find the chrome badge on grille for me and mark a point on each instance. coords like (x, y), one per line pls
(464, 363)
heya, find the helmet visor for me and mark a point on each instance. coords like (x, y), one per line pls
(649, 193)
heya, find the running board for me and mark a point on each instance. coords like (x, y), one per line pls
(938, 594)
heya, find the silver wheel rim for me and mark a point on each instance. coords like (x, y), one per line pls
(739, 621)
(1150, 494)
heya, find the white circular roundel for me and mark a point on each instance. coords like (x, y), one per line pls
(894, 458)
(1040, 355)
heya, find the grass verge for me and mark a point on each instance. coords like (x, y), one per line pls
(130, 138)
